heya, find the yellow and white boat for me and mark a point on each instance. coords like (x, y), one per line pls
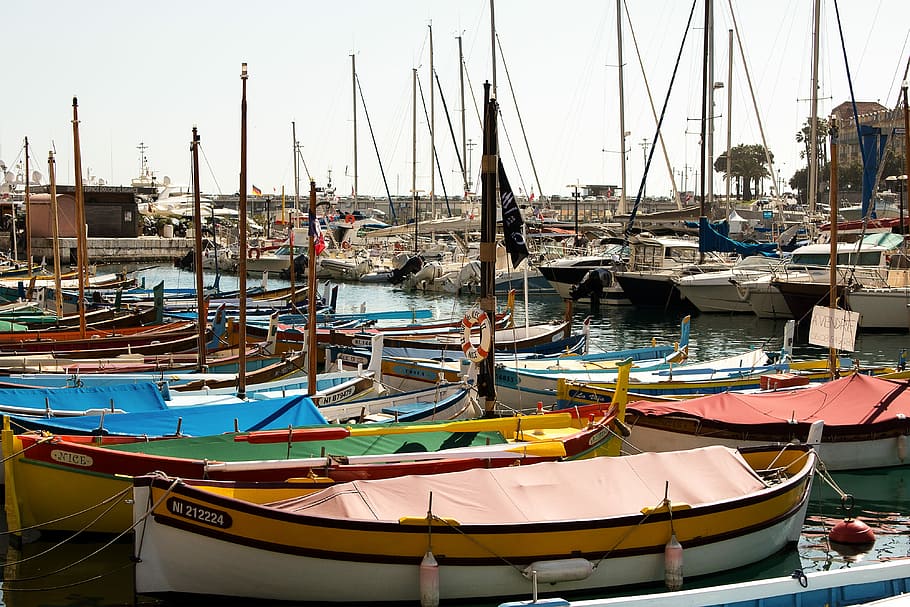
(580, 525)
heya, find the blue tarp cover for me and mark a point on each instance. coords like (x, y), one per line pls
(143, 396)
(710, 239)
(195, 420)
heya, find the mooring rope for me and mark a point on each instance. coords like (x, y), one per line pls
(90, 555)
(16, 454)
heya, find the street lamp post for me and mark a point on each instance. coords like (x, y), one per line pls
(575, 195)
(898, 180)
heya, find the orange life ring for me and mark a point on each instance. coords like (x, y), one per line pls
(474, 317)
(349, 218)
(345, 245)
(254, 253)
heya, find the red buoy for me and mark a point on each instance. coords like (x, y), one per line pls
(851, 531)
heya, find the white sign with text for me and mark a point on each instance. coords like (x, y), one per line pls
(834, 328)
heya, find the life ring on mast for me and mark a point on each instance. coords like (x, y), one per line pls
(345, 245)
(349, 218)
(254, 253)
(473, 318)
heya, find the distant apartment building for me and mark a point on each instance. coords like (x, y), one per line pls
(873, 114)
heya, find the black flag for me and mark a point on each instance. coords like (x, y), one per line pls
(511, 221)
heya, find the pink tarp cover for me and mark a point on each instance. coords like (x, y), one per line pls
(850, 401)
(556, 491)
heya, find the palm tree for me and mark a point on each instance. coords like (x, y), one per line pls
(748, 165)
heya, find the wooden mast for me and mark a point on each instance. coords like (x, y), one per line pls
(486, 386)
(813, 100)
(52, 175)
(354, 116)
(296, 213)
(465, 169)
(906, 152)
(241, 371)
(622, 208)
(703, 207)
(414, 197)
(832, 264)
(28, 215)
(81, 247)
(201, 309)
(432, 131)
(311, 293)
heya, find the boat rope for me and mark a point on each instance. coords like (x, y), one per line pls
(151, 508)
(478, 543)
(113, 500)
(16, 454)
(91, 554)
(825, 475)
(54, 547)
(94, 578)
(663, 502)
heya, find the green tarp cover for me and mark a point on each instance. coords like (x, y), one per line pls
(223, 447)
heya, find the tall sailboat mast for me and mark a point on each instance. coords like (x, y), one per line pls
(704, 110)
(432, 131)
(201, 309)
(621, 209)
(354, 115)
(465, 169)
(708, 165)
(486, 384)
(28, 214)
(832, 265)
(813, 112)
(311, 292)
(414, 197)
(55, 227)
(296, 207)
(81, 247)
(729, 169)
(241, 371)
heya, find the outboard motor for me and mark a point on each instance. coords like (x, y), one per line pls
(187, 262)
(411, 266)
(300, 267)
(592, 286)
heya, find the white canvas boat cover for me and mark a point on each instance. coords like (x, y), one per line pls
(556, 491)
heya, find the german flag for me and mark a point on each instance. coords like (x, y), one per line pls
(257, 191)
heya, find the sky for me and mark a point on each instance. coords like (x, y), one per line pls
(148, 72)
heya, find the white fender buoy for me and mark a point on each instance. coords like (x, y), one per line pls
(673, 564)
(564, 570)
(429, 581)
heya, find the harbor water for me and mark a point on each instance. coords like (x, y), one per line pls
(99, 572)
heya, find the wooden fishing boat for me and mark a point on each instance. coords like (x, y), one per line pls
(289, 365)
(62, 335)
(52, 478)
(294, 333)
(174, 421)
(140, 343)
(508, 339)
(580, 525)
(673, 385)
(866, 421)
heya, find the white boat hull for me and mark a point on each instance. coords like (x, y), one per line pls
(884, 308)
(171, 560)
(719, 297)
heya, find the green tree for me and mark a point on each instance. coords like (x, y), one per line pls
(850, 176)
(804, 136)
(748, 166)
